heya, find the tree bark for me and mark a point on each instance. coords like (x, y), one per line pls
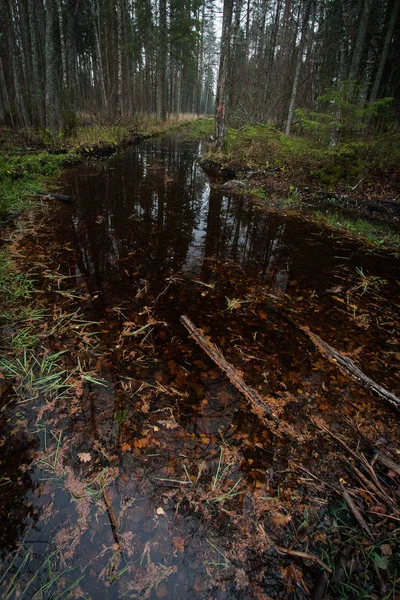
(385, 51)
(38, 111)
(162, 63)
(298, 67)
(224, 68)
(359, 48)
(119, 60)
(258, 406)
(53, 114)
(99, 56)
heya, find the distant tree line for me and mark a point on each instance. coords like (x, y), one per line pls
(278, 55)
(117, 58)
(109, 58)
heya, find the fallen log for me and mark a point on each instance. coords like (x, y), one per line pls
(218, 358)
(53, 196)
(350, 368)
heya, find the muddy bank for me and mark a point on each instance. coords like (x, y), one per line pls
(141, 472)
(271, 183)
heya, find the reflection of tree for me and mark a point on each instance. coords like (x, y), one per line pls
(137, 213)
(142, 215)
(254, 240)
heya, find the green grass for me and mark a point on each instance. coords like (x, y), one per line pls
(369, 567)
(201, 128)
(35, 376)
(14, 286)
(95, 135)
(378, 235)
(23, 176)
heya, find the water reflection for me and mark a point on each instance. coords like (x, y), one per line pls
(153, 207)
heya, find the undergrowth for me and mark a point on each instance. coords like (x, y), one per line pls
(378, 235)
(23, 176)
(307, 158)
(363, 568)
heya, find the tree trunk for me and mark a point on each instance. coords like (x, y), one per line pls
(72, 94)
(385, 51)
(298, 67)
(16, 70)
(38, 107)
(358, 48)
(224, 68)
(162, 62)
(62, 44)
(6, 99)
(200, 70)
(119, 60)
(53, 115)
(99, 55)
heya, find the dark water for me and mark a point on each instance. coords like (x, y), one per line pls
(159, 481)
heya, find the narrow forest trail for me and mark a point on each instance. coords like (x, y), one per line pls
(136, 470)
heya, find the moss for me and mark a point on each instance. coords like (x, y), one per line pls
(305, 158)
(23, 176)
(201, 128)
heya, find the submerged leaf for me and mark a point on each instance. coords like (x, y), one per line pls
(84, 457)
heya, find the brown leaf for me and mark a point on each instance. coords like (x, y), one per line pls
(84, 457)
(179, 543)
(280, 520)
(379, 508)
(386, 550)
(141, 443)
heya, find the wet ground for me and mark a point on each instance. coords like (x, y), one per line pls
(143, 472)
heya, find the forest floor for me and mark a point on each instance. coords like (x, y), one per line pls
(121, 436)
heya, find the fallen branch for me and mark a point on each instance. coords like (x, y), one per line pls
(305, 555)
(53, 196)
(355, 511)
(110, 513)
(388, 462)
(350, 368)
(373, 485)
(216, 356)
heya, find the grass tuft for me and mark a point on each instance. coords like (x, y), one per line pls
(378, 235)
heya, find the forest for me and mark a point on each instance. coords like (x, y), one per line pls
(64, 59)
(199, 299)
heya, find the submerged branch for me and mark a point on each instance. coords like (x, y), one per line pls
(216, 355)
(350, 368)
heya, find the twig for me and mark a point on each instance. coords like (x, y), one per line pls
(365, 464)
(355, 511)
(384, 515)
(388, 462)
(316, 478)
(305, 555)
(110, 513)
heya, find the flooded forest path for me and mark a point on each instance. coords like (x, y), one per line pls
(136, 469)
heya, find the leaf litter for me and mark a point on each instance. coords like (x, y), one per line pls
(146, 459)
